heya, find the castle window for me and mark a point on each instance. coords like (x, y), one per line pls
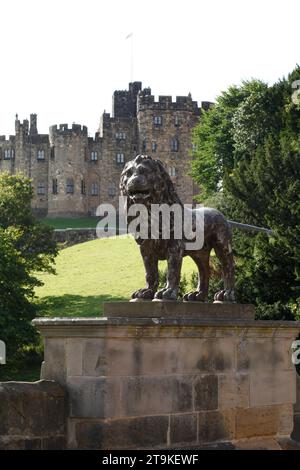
(94, 156)
(112, 190)
(52, 153)
(41, 155)
(70, 186)
(95, 189)
(120, 135)
(82, 187)
(174, 145)
(154, 146)
(157, 120)
(144, 145)
(172, 171)
(93, 210)
(120, 159)
(8, 154)
(176, 121)
(41, 189)
(54, 186)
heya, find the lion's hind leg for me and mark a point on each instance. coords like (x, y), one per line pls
(224, 253)
(201, 259)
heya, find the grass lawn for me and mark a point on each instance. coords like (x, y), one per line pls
(80, 222)
(93, 272)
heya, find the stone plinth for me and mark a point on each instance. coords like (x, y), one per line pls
(163, 377)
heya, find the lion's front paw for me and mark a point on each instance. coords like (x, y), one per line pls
(225, 295)
(166, 294)
(143, 294)
(195, 296)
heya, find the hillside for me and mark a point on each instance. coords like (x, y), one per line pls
(93, 272)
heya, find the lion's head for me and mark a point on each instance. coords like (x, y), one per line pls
(146, 181)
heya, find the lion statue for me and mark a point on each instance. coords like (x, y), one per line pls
(145, 180)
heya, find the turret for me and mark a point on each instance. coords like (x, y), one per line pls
(33, 124)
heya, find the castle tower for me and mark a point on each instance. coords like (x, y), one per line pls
(164, 132)
(22, 157)
(67, 171)
(33, 124)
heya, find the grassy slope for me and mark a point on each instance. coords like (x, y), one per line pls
(92, 272)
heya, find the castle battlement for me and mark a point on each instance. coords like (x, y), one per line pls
(11, 139)
(146, 100)
(64, 129)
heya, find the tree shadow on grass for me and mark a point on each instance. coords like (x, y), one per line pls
(74, 305)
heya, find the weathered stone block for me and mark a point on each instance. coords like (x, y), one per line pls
(255, 422)
(91, 397)
(18, 443)
(32, 409)
(206, 392)
(216, 355)
(54, 443)
(272, 387)
(183, 428)
(154, 395)
(262, 354)
(141, 432)
(216, 425)
(95, 357)
(233, 390)
(74, 357)
(54, 367)
(286, 420)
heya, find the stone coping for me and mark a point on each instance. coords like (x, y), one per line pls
(177, 309)
(91, 322)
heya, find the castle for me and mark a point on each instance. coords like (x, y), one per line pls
(73, 173)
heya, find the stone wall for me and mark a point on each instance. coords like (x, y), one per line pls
(72, 236)
(170, 375)
(32, 415)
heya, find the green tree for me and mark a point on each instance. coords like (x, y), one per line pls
(26, 247)
(260, 185)
(238, 120)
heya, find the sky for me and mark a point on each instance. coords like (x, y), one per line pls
(63, 59)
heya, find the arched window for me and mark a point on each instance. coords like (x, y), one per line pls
(94, 156)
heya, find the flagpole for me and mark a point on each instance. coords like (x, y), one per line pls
(131, 55)
(131, 64)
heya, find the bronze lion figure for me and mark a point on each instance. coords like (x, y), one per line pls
(145, 180)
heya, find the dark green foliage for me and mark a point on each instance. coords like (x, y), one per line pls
(26, 247)
(258, 182)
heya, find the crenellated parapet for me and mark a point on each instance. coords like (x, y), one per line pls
(11, 139)
(64, 129)
(182, 103)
